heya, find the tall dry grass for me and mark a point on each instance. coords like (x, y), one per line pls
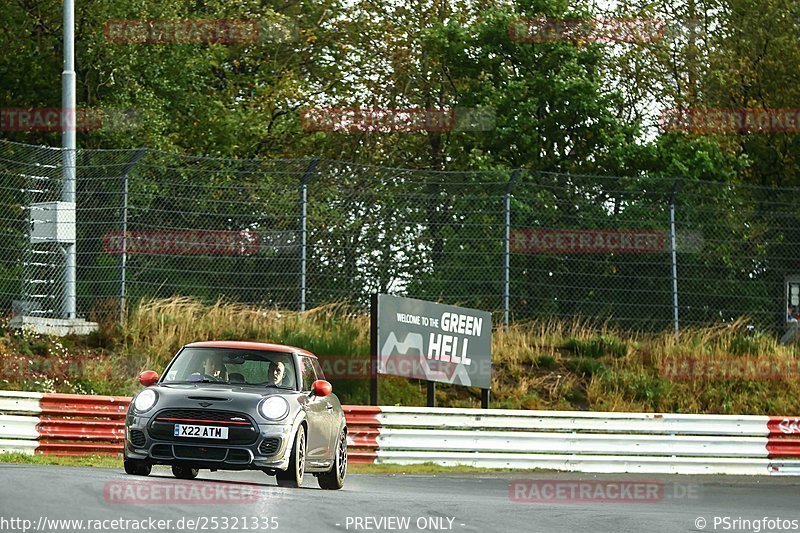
(547, 364)
(157, 328)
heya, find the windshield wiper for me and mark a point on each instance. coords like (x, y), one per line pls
(275, 385)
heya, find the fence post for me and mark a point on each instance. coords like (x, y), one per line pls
(507, 248)
(673, 253)
(304, 229)
(123, 257)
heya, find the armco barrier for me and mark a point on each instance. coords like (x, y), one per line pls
(65, 424)
(72, 424)
(362, 433)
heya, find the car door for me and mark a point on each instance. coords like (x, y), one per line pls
(316, 414)
(334, 412)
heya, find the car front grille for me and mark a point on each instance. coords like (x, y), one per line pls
(269, 446)
(203, 416)
(137, 438)
(241, 429)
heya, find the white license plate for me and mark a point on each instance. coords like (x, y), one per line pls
(201, 432)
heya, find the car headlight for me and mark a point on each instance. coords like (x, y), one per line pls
(145, 401)
(274, 408)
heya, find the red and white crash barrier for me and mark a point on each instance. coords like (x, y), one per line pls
(66, 424)
(62, 424)
(579, 441)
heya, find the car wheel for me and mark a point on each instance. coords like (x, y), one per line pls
(334, 480)
(293, 476)
(135, 467)
(184, 472)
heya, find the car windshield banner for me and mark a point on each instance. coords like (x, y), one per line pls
(434, 342)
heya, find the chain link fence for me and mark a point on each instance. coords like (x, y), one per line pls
(300, 233)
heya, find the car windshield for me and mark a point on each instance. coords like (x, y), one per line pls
(234, 366)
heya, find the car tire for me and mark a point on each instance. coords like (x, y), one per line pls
(135, 467)
(292, 477)
(334, 480)
(184, 472)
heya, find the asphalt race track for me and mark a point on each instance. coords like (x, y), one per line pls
(418, 502)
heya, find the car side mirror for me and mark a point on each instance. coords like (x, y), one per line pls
(148, 377)
(321, 388)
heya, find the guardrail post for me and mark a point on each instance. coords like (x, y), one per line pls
(373, 349)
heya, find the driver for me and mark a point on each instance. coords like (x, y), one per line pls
(213, 367)
(275, 373)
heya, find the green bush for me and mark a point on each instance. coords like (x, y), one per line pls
(597, 346)
(586, 366)
(547, 362)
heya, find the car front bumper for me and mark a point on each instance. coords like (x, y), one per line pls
(272, 439)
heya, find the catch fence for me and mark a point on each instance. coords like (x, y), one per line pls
(297, 233)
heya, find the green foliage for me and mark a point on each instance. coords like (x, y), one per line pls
(597, 346)
(546, 362)
(642, 387)
(586, 367)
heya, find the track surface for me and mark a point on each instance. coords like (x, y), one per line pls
(476, 503)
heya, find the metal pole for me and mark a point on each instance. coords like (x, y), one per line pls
(373, 349)
(123, 259)
(507, 249)
(431, 394)
(304, 230)
(484, 398)
(68, 145)
(673, 250)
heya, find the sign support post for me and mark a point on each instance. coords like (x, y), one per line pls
(373, 349)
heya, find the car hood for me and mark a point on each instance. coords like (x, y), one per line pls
(222, 397)
(217, 392)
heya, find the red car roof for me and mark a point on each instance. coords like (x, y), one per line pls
(245, 345)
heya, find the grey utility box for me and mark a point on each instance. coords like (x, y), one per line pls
(52, 222)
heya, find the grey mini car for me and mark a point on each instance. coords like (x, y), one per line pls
(226, 405)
